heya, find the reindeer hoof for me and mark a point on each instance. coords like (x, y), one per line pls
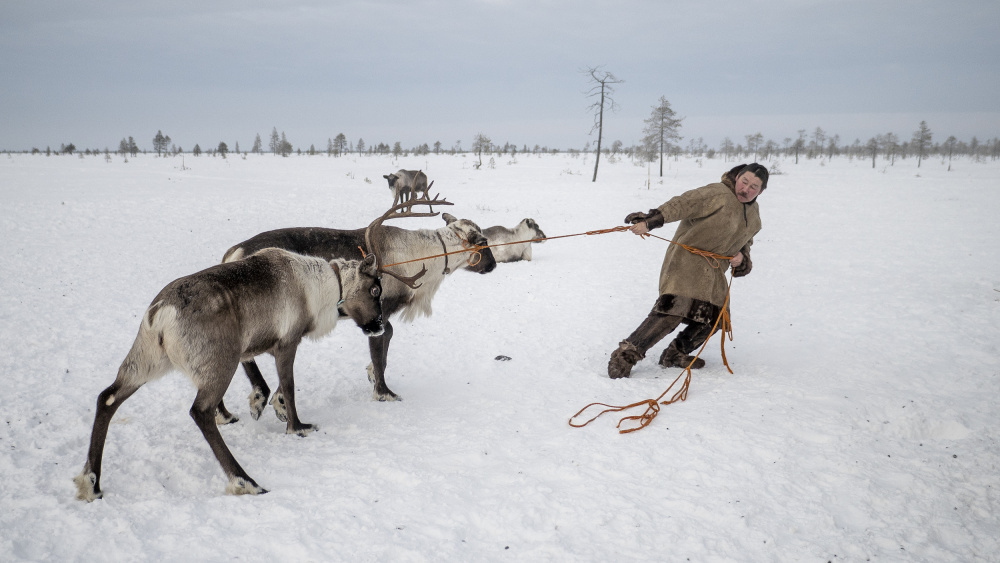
(86, 487)
(257, 401)
(278, 402)
(241, 486)
(387, 397)
(225, 418)
(303, 430)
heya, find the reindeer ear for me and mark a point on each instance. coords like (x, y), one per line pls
(448, 218)
(370, 264)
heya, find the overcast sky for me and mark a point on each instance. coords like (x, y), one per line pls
(420, 71)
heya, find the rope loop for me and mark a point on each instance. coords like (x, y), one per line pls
(474, 251)
(653, 405)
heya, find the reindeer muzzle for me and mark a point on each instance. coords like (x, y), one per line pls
(374, 328)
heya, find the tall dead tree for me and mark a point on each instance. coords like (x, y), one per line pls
(661, 129)
(602, 88)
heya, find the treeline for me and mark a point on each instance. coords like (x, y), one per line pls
(808, 145)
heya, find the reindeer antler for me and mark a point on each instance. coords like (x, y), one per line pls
(394, 213)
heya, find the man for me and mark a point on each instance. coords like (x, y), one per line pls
(721, 218)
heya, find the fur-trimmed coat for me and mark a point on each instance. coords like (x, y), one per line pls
(711, 218)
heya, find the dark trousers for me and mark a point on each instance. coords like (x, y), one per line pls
(657, 325)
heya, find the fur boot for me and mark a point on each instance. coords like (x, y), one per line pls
(672, 357)
(622, 360)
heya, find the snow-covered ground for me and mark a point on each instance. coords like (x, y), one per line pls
(861, 423)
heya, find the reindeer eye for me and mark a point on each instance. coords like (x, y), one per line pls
(376, 291)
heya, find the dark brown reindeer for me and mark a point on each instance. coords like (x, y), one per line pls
(399, 296)
(204, 324)
(406, 185)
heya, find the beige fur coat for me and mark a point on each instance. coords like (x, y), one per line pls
(711, 218)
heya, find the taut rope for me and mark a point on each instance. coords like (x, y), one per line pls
(474, 258)
(652, 405)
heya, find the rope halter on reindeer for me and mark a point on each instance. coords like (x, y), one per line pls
(395, 212)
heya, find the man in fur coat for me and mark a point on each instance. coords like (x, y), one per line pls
(721, 218)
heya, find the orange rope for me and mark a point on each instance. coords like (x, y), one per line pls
(653, 405)
(713, 258)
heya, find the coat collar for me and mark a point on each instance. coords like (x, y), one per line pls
(729, 180)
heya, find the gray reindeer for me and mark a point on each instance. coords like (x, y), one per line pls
(526, 230)
(400, 293)
(206, 323)
(407, 185)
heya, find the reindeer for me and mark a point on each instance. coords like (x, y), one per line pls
(400, 294)
(204, 324)
(407, 185)
(526, 230)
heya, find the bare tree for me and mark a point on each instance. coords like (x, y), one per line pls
(873, 145)
(481, 143)
(256, 145)
(726, 147)
(921, 140)
(753, 144)
(949, 145)
(831, 146)
(661, 128)
(800, 144)
(603, 87)
(890, 144)
(816, 147)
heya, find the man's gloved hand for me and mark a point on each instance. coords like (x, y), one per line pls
(653, 219)
(745, 266)
(633, 218)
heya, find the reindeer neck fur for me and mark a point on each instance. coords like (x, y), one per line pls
(324, 289)
(399, 245)
(320, 293)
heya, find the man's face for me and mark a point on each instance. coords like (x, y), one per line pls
(747, 187)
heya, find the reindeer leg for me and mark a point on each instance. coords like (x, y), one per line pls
(260, 392)
(203, 412)
(284, 358)
(257, 397)
(378, 346)
(223, 416)
(88, 482)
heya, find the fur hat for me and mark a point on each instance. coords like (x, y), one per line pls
(757, 170)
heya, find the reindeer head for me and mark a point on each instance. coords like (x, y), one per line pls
(396, 212)
(361, 293)
(472, 235)
(530, 227)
